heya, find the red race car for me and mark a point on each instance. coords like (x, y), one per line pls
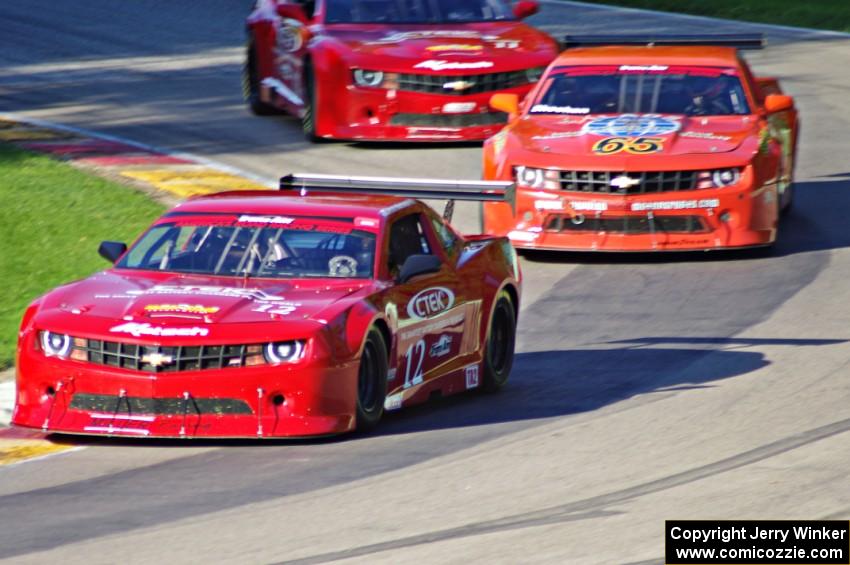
(646, 144)
(392, 69)
(251, 314)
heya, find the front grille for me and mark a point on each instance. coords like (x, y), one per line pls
(474, 84)
(109, 404)
(172, 359)
(449, 120)
(628, 224)
(648, 182)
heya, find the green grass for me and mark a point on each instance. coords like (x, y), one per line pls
(52, 218)
(819, 14)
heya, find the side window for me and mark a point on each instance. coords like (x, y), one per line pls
(445, 235)
(406, 238)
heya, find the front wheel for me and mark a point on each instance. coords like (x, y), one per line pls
(372, 381)
(311, 107)
(501, 341)
(251, 85)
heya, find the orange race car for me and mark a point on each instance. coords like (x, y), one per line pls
(642, 144)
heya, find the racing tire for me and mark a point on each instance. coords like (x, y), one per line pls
(501, 342)
(372, 381)
(251, 86)
(309, 121)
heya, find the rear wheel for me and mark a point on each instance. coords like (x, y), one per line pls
(501, 341)
(372, 381)
(251, 85)
(311, 97)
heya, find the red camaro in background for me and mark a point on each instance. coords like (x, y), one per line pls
(392, 69)
(251, 314)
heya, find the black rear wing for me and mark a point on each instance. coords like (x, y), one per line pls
(736, 40)
(451, 190)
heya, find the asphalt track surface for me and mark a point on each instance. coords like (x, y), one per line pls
(646, 387)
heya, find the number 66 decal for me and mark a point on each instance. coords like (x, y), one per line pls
(633, 145)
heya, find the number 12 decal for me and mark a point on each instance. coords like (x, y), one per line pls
(415, 356)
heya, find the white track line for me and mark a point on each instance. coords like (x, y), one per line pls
(7, 401)
(24, 120)
(691, 17)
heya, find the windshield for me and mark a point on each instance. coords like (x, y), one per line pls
(633, 89)
(258, 246)
(416, 11)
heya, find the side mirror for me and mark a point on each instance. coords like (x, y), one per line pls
(293, 12)
(508, 103)
(416, 265)
(778, 103)
(112, 250)
(525, 8)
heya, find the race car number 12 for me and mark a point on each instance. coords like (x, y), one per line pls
(634, 145)
(415, 356)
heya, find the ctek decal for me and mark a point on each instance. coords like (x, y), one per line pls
(181, 309)
(437, 65)
(632, 125)
(139, 330)
(471, 374)
(430, 302)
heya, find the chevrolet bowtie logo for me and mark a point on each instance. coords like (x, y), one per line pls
(157, 359)
(624, 182)
(458, 85)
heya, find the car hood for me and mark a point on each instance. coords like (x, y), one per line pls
(175, 300)
(447, 49)
(676, 135)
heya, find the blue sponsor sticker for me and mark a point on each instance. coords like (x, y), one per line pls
(632, 125)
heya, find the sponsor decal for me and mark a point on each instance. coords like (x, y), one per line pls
(245, 219)
(454, 47)
(589, 206)
(253, 294)
(430, 302)
(289, 38)
(459, 107)
(393, 402)
(181, 309)
(391, 374)
(441, 347)
(633, 145)
(547, 109)
(548, 205)
(632, 125)
(705, 135)
(471, 374)
(139, 330)
(643, 68)
(558, 135)
(434, 327)
(675, 205)
(525, 236)
(437, 65)
(342, 266)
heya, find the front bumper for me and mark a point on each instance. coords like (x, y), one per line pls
(735, 217)
(64, 396)
(368, 114)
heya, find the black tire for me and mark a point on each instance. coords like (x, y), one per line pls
(251, 86)
(372, 381)
(501, 341)
(308, 122)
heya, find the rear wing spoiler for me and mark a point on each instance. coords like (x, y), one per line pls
(451, 190)
(737, 40)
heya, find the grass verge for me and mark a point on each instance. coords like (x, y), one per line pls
(52, 218)
(819, 14)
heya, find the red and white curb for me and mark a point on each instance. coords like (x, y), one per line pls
(175, 173)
